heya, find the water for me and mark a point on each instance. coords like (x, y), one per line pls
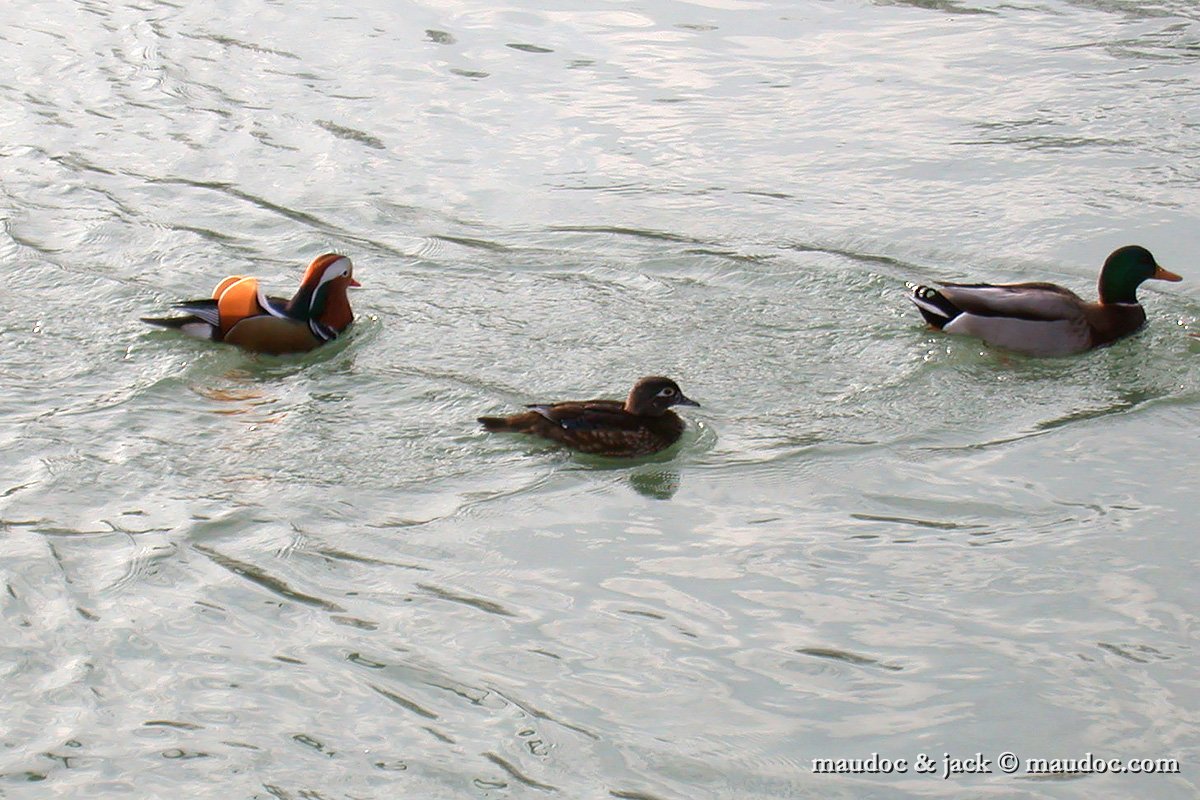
(315, 578)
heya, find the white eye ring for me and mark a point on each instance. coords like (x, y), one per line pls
(667, 392)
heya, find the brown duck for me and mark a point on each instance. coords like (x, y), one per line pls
(641, 425)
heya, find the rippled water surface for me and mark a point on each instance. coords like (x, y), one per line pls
(314, 577)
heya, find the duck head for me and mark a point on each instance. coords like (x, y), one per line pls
(1125, 270)
(322, 293)
(652, 396)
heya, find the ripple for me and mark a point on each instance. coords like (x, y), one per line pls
(351, 134)
(475, 602)
(853, 659)
(260, 577)
(517, 775)
(529, 48)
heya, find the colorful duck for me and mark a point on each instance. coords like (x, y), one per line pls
(1043, 319)
(641, 425)
(241, 314)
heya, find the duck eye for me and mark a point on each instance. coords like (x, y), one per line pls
(667, 392)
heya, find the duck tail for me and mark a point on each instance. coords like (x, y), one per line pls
(169, 322)
(192, 326)
(934, 306)
(496, 424)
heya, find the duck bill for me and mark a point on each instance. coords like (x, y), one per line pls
(1161, 274)
(686, 401)
(355, 283)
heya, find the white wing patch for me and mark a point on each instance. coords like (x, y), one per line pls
(265, 303)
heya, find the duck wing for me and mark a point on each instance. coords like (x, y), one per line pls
(588, 415)
(1039, 302)
(237, 299)
(204, 310)
(275, 306)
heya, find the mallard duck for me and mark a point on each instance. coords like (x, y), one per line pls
(1043, 319)
(641, 425)
(239, 313)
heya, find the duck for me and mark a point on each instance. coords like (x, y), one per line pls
(241, 314)
(640, 425)
(1044, 319)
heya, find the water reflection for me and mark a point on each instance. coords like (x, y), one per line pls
(656, 484)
